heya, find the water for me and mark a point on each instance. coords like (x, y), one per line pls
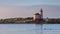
(29, 29)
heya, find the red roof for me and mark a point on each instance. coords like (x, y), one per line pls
(36, 14)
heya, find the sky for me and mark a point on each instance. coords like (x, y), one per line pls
(26, 8)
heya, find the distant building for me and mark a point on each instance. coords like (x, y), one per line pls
(46, 19)
(38, 17)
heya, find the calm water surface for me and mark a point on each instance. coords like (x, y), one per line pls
(29, 29)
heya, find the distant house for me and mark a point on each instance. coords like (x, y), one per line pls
(37, 17)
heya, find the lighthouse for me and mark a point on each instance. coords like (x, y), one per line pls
(38, 17)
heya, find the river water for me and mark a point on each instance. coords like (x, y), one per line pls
(29, 29)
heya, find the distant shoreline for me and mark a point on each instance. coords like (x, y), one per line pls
(28, 20)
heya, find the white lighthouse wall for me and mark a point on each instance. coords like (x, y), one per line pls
(34, 17)
(37, 16)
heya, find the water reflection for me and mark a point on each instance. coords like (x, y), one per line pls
(47, 29)
(38, 28)
(29, 29)
(20, 28)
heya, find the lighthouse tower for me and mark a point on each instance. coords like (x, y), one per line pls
(38, 17)
(41, 13)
